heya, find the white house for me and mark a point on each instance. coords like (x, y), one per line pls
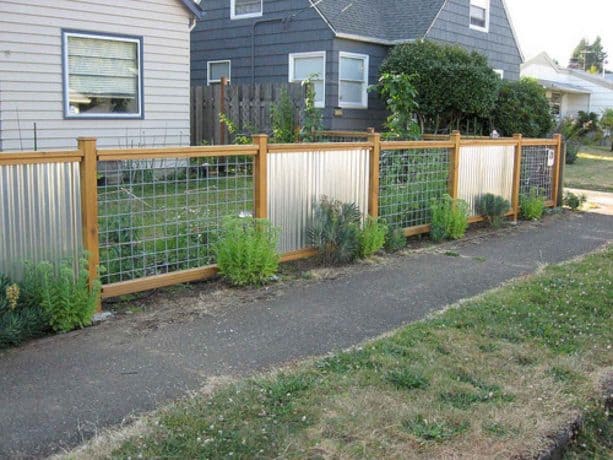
(569, 90)
(113, 69)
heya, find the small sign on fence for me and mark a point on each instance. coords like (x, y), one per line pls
(551, 157)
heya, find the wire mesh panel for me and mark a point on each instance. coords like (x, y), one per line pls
(409, 180)
(536, 174)
(336, 136)
(162, 216)
(485, 169)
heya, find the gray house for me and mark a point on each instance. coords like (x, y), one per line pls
(342, 41)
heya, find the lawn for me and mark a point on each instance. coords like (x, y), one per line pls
(593, 170)
(494, 377)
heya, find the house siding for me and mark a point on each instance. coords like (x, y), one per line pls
(217, 37)
(452, 26)
(31, 72)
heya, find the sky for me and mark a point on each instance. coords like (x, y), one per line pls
(556, 26)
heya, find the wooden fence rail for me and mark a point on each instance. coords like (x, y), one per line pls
(90, 157)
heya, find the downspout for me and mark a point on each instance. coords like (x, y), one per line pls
(253, 26)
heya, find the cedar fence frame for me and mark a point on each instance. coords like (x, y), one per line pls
(88, 155)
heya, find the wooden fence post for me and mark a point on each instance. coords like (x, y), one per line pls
(516, 176)
(89, 205)
(373, 180)
(222, 109)
(454, 164)
(261, 176)
(556, 191)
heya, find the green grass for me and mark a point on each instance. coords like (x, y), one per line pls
(492, 378)
(593, 170)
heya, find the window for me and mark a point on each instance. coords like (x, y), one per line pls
(480, 15)
(555, 101)
(311, 66)
(240, 9)
(102, 76)
(353, 80)
(215, 70)
(500, 73)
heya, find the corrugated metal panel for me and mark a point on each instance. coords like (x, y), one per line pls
(485, 169)
(40, 214)
(297, 181)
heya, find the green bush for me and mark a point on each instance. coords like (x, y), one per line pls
(494, 207)
(68, 300)
(532, 205)
(451, 83)
(399, 95)
(449, 218)
(335, 231)
(311, 115)
(572, 149)
(574, 202)
(372, 237)
(19, 320)
(395, 239)
(247, 251)
(523, 107)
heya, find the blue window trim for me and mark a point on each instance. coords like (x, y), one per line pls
(141, 81)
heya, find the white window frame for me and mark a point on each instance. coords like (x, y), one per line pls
(500, 73)
(483, 4)
(311, 54)
(208, 70)
(66, 34)
(233, 14)
(353, 105)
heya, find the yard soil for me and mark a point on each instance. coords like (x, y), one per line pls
(61, 390)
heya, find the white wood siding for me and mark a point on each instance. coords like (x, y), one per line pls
(31, 71)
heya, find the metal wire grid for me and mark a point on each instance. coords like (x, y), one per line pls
(535, 173)
(334, 137)
(162, 216)
(409, 181)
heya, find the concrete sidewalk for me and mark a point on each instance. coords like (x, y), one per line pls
(58, 391)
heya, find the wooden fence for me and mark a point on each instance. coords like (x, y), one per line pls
(248, 106)
(182, 193)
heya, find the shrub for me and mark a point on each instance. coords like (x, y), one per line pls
(247, 251)
(399, 95)
(68, 300)
(335, 231)
(284, 126)
(523, 107)
(572, 149)
(574, 202)
(311, 115)
(450, 82)
(372, 236)
(19, 320)
(395, 239)
(449, 218)
(532, 205)
(494, 207)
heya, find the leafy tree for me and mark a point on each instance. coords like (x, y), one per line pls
(589, 56)
(451, 83)
(522, 107)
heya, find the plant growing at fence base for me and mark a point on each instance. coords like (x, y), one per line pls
(68, 300)
(395, 239)
(247, 251)
(335, 231)
(532, 205)
(284, 125)
(372, 236)
(240, 138)
(574, 202)
(494, 207)
(311, 115)
(449, 218)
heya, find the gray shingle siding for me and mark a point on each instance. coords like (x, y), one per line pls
(452, 26)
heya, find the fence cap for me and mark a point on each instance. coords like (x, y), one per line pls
(87, 138)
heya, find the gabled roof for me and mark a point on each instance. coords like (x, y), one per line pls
(379, 21)
(193, 7)
(544, 58)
